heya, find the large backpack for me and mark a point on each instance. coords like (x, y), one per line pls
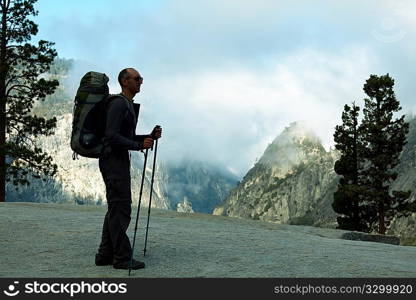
(88, 125)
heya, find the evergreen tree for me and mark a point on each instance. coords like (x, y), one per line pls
(347, 199)
(22, 82)
(383, 140)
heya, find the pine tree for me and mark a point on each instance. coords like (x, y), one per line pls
(347, 199)
(22, 82)
(383, 140)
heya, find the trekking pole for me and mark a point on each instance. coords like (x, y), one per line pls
(138, 208)
(150, 199)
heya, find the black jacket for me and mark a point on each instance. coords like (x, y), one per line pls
(121, 122)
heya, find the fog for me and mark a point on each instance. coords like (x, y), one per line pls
(224, 78)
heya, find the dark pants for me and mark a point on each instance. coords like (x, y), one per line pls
(114, 240)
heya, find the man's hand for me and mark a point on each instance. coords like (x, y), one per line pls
(148, 143)
(156, 132)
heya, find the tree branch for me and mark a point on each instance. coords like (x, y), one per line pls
(13, 87)
(13, 78)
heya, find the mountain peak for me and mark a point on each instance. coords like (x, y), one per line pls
(296, 133)
(296, 144)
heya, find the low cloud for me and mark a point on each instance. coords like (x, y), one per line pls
(230, 116)
(224, 78)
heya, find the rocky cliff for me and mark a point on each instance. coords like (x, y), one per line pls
(294, 181)
(79, 181)
(406, 180)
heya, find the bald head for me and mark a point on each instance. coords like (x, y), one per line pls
(130, 82)
(125, 74)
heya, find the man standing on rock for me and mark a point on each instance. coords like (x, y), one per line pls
(121, 116)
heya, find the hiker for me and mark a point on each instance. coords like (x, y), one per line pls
(121, 116)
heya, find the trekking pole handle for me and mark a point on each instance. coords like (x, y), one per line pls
(157, 126)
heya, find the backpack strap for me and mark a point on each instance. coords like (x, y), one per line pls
(136, 106)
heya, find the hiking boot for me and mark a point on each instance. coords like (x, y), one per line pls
(126, 265)
(103, 260)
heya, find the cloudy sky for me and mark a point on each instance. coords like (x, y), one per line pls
(225, 77)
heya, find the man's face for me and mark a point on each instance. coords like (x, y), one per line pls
(133, 81)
